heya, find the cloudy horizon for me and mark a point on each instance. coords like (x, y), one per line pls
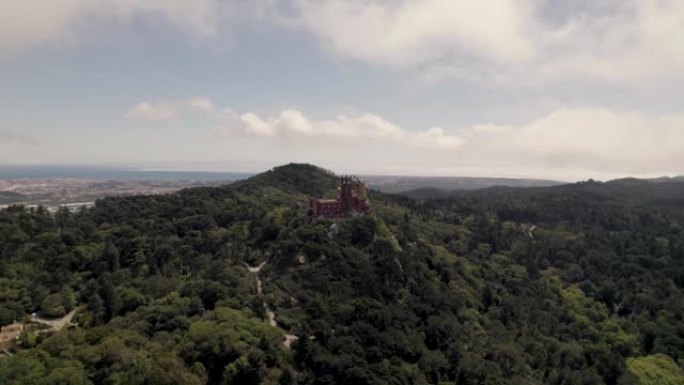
(506, 88)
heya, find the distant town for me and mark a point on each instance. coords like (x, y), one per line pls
(74, 193)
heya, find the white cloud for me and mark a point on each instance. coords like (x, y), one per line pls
(415, 32)
(504, 40)
(578, 143)
(163, 109)
(366, 127)
(567, 144)
(24, 24)
(638, 38)
(202, 105)
(152, 112)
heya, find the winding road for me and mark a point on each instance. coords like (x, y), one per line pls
(270, 314)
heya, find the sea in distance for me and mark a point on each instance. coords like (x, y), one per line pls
(110, 173)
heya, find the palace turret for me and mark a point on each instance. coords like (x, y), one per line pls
(352, 200)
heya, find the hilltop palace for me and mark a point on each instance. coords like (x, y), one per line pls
(352, 200)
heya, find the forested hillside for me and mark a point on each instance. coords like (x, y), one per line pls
(577, 284)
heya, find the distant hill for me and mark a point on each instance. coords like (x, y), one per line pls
(402, 184)
(660, 190)
(10, 197)
(632, 181)
(425, 193)
(294, 178)
(624, 191)
(439, 187)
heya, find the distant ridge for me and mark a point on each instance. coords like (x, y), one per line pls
(434, 187)
(666, 190)
(10, 197)
(295, 178)
(662, 179)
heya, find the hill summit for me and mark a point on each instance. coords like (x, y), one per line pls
(297, 178)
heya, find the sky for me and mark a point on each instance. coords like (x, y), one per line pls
(564, 90)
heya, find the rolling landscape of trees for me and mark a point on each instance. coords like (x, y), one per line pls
(562, 285)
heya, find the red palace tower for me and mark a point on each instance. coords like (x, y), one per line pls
(352, 200)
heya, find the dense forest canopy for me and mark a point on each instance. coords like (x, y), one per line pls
(575, 284)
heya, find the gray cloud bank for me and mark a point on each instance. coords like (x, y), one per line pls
(8, 137)
(626, 41)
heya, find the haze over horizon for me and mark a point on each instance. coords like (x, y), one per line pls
(507, 88)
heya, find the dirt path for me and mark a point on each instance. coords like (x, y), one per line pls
(55, 324)
(270, 314)
(255, 271)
